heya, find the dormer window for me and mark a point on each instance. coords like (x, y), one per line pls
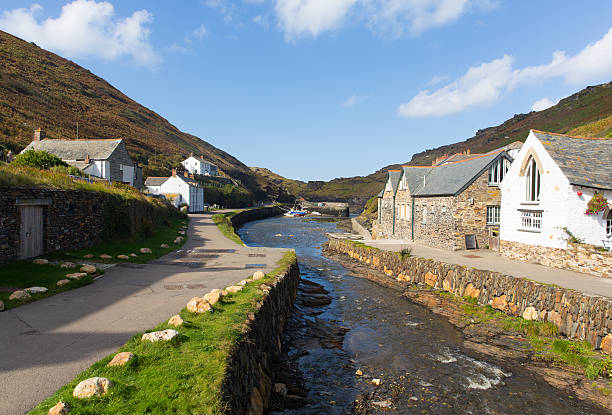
(532, 179)
(497, 171)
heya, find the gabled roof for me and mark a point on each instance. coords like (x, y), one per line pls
(76, 149)
(155, 181)
(201, 160)
(584, 161)
(449, 179)
(395, 176)
(457, 157)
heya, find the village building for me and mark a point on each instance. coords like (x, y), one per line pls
(105, 159)
(545, 196)
(197, 165)
(178, 189)
(454, 204)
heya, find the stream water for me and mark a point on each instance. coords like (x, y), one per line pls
(343, 323)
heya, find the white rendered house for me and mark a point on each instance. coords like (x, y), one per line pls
(546, 191)
(179, 189)
(197, 165)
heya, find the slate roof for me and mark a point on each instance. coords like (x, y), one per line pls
(457, 157)
(76, 149)
(449, 179)
(395, 179)
(81, 165)
(155, 181)
(584, 161)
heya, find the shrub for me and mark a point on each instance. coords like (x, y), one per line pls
(38, 159)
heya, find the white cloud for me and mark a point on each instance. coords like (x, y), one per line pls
(200, 33)
(262, 21)
(312, 17)
(353, 100)
(437, 79)
(542, 104)
(86, 28)
(485, 84)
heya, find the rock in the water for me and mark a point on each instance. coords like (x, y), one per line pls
(105, 256)
(123, 257)
(40, 261)
(164, 246)
(1, 305)
(146, 251)
(68, 265)
(88, 256)
(89, 269)
(63, 282)
(530, 313)
(382, 404)
(92, 387)
(76, 275)
(198, 305)
(212, 297)
(36, 290)
(280, 388)
(234, 288)
(19, 295)
(606, 345)
(258, 275)
(121, 359)
(163, 335)
(359, 372)
(60, 408)
(376, 382)
(175, 321)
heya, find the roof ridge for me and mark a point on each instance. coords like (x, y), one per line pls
(458, 161)
(571, 136)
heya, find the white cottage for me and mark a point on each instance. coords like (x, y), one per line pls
(545, 195)
(179, 189)
(197, 165)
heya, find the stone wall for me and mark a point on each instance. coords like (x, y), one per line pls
(72, 219)
(578, 316)
(577, 257)
(339, 209)
(247, 385)
(245, 216)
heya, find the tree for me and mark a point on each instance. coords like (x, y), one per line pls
(38, 159)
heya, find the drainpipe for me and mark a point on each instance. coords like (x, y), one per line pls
(393, 215)
(412, 219)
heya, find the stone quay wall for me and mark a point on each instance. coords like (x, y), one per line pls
(245, 216)
(577, 257)
(578, 316)
(72, 219)
(247, 385)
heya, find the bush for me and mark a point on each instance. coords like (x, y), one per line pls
(38, 159)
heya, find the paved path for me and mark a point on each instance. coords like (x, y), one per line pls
(43, 345)
(492, 261)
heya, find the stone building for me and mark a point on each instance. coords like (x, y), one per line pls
(198, 165)
(105, 159)
(451, 205)
(178, 189)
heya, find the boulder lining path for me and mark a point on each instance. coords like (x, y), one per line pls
(45, 344)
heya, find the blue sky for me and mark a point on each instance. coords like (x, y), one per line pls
(317, 89)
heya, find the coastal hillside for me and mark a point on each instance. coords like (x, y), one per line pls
(41, 89)
(586, 113)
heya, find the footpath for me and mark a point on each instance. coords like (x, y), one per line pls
(46, 343)
(485, 259)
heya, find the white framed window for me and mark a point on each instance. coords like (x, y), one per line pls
(531, 220)
(497, 171)
(609, 224)
(532, 181)
(492, 215)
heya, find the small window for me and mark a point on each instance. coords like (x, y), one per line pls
(531, 221)
(497, 171)
(609, 224)
(492, 215)
(532, 179)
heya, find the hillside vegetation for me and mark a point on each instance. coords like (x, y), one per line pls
(40, 89)
(586, 113)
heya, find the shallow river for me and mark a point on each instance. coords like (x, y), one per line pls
(416, 354)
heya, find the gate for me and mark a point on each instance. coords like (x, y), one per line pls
(31, 235)
(494, 239)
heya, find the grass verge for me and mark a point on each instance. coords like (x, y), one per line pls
(182, 376)
(225, 226)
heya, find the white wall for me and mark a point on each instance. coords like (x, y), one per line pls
(554, 194)
(192, 195)
(591, 228)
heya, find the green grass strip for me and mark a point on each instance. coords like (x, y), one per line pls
(225, 226)
(183, 376)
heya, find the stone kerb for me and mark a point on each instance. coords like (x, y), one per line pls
(577, 315)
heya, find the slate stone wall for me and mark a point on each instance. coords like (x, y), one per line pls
(72, 219)
(245, 216)
(578, 316)
(247, 385)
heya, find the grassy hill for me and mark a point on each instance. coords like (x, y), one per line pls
(41, 89)
(587, 113)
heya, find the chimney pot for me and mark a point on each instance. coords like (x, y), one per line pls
(39, 134)
(190, 154)
(87, 159)
(173, 172)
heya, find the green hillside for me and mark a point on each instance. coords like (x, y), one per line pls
(40, 89)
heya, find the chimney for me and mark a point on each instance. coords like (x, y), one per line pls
(87, 159)
(468, 151)
(190, 154)
(186, 173)
(39, 134)
(173, 172)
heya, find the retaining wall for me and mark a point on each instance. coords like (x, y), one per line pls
(247, 384)
(578, 316)
(245, 216)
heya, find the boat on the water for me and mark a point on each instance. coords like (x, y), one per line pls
(296, 213)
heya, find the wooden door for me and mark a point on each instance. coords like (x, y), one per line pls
(494, 239)
(31, 231)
